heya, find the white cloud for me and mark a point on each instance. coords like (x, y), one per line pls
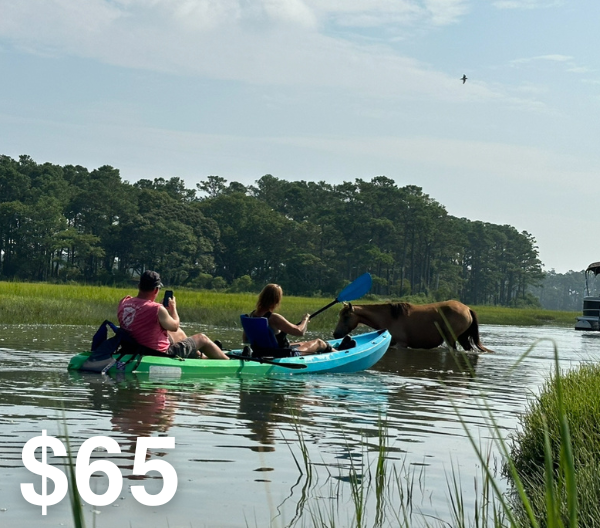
(375, 13)
(261, 42)
(445, 12)
(567, 60)
(580, 69)
(551, 58)
(526, 4)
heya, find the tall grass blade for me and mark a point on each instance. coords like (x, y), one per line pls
(75, 499)
(552, 504)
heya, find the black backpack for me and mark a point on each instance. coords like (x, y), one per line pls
(104, 348)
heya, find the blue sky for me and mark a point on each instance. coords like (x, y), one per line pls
(323, 90)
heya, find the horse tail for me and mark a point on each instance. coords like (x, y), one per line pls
(471, 335)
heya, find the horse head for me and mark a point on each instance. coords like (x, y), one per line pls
(347, 321)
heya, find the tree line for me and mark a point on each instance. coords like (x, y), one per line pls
(565, 291)
(67, 223)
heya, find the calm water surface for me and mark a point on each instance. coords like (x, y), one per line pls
(238, 447)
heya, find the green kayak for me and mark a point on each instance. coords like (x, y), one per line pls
(369, 349)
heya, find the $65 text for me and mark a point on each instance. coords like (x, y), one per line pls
(84, 470)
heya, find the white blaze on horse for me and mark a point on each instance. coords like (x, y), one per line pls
(414, 325)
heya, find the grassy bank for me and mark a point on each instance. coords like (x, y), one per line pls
(524, 316)
(42, 303)
(539, 447)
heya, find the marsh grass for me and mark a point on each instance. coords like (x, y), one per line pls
(524, 316)
(366, 491)
(74, 498)
(538, 448)
(44, 303)
(551, 465)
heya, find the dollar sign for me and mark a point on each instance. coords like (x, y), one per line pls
(46, 471)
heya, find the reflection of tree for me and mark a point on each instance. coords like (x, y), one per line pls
(266, 404)
(135, 410)
(141, 413)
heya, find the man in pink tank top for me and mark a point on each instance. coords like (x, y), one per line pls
(157, 327)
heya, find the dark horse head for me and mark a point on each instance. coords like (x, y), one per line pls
(347, 322)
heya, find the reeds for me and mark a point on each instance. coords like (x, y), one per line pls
(561, 476)
(551, 465)
(45, 303)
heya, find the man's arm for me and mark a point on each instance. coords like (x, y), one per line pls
(168, 317)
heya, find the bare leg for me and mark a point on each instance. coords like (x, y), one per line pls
(310, 347)
(208, 348)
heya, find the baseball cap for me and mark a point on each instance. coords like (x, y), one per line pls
(150, 280)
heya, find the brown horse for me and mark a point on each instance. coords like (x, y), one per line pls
(416, 326)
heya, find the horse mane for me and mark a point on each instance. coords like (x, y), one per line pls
(398, 309)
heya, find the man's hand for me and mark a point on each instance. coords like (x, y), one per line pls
(168, 317)
(172, 308)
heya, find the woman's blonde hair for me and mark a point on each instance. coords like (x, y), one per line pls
(269, 298)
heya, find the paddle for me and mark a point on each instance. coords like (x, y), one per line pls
(354, 290)
(268, 361)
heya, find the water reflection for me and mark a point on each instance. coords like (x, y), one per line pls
(437, 363)
(264, 405)
(242, 435)
(134, 410)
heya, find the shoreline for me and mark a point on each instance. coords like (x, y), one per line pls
(69, 304)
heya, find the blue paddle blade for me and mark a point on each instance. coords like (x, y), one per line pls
(356, 289)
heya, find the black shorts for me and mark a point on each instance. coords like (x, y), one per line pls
(185, 349)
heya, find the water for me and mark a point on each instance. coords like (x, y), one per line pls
(238, 441)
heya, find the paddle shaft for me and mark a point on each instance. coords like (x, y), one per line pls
(269, 362)
(357, 288)
(324, 308)
(319, 311)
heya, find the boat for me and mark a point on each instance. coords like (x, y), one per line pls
(369, 349)
(590, 320)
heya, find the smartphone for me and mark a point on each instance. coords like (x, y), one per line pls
(168, 295)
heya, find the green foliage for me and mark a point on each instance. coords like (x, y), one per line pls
(218, 283)
(581, 409)
(69, 223)
(242, 284)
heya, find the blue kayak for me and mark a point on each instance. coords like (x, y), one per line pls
(369, 349)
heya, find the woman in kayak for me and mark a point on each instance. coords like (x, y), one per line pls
(269, 300)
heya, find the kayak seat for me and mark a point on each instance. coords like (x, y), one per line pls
(263, 342)
(347, 343)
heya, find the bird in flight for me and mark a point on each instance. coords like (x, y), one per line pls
(464, 79)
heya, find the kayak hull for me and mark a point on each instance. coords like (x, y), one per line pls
(370, 348)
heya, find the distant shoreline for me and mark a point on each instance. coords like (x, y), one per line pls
(72, 304)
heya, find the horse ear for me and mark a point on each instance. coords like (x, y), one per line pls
(350, 306)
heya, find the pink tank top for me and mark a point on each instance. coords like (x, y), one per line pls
(140, 318)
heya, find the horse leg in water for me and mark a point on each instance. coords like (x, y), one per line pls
(465, 341)
(446, 329)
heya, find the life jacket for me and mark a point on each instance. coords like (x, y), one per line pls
(263, 342)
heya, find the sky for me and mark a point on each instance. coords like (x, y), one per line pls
(324, 90)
